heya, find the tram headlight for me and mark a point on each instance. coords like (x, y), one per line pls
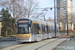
(30, 35)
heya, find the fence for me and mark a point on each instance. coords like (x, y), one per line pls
(8, 39)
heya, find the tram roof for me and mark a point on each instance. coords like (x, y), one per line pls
(37, 20)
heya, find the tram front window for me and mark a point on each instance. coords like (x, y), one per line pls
(23, 29)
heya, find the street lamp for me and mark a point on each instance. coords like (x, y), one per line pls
(67, 22)
(55, 18)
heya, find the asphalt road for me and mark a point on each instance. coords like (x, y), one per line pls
(7, 43)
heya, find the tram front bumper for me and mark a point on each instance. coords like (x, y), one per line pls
(23, 40)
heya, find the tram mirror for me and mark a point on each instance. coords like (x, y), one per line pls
(29, 28)
(29, 25)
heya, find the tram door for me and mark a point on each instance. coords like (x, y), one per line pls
(53, 31)
(44, 32)
(49, 32)
(37, 32)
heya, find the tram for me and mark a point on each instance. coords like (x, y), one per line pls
(29, 30)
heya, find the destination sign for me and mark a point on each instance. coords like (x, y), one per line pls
(22, 21)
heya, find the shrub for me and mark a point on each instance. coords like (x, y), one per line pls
(2, 33)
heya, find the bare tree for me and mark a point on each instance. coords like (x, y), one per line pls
(21, 8)
(39, 14)
(16, 6)
(31, 7)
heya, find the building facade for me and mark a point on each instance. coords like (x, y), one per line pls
(65, 14)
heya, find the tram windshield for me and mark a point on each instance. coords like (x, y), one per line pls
(23, 29)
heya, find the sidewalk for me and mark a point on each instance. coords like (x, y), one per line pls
(67, 45)
(64, 35)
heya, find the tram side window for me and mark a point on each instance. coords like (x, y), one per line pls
(52, 28)
(38, 29)
(48, 29)
(34, 28)
(43, 29)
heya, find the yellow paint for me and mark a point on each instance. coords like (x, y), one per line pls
(46, 24)
(49, 24)
(42, 23)
(24, 35)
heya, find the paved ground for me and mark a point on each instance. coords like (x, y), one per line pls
(48, 44)
(7, 43)
(67, 45)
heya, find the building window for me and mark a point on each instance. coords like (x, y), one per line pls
(70, 0)
(64, 3)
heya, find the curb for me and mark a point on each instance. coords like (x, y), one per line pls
(8, 39)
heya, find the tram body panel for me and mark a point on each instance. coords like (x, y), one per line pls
(45, 36)
(24, 38)
(53, 35)
(24, 35)
(50, 35)
(38, 37)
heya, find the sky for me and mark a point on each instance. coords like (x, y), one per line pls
(44, 4)
(50, 3)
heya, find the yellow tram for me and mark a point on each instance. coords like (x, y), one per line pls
(29, 30)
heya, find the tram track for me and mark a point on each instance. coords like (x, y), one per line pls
(26, 45)
(7, 46)
(48, 43)
(29, 44)
(13, 47)
(18, 45)
(22, 45)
